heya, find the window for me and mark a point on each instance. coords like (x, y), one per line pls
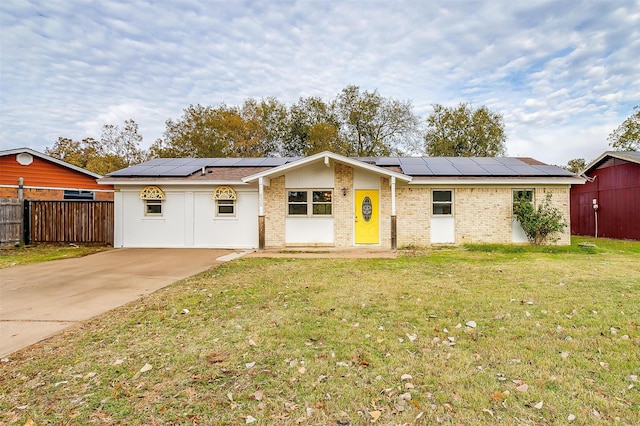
(442, 202)
(70, 194)
(153, 198)
(310, 203)
(225, 207)
(225, 198)
(153, 207)
(522, 194)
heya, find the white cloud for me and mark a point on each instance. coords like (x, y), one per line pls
(563, 74)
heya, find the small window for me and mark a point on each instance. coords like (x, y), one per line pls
(297, 203)
(70, 194)
(322, 203)
(153, 207)
(225, 207)
(522, 194)
(442, 203)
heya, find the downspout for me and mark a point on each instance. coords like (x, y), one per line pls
(394, 234)
(261, 227)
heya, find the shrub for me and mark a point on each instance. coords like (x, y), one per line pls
(539, 224)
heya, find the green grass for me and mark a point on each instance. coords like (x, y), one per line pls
(22, 255)
(326, 341)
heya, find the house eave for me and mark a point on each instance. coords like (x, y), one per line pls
(431, 181)
(326, 157)
(169, 182)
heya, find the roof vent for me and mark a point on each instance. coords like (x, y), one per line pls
(24, 159)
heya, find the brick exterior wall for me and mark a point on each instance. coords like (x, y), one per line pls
(47, 194)
(385, 212)
(343, 206)
(413, 207)
(482, 214)
(275, 213)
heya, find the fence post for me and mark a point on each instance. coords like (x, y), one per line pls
(26, 222)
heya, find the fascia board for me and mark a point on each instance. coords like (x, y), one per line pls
(478, 182)
(174, 182)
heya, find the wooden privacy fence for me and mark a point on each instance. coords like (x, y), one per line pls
(10, 220)
(68, 221)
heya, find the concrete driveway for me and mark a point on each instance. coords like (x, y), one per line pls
(39, 300)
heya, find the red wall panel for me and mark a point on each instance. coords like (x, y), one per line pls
(616, 187)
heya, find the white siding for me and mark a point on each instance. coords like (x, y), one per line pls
(188, 220)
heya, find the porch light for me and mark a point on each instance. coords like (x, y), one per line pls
(344, 192)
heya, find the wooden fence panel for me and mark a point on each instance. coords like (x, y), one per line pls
(10, 220)
(70, 221)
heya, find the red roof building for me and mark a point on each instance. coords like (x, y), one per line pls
(608, 204)
(41, 177)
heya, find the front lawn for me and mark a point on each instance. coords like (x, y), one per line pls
(450, 336)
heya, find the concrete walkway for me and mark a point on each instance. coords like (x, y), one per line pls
(39, 300)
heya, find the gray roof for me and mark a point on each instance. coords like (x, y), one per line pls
(411, 166)
(471, 166)
(183, 167)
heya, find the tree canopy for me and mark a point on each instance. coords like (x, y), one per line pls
(118, 147)
(627, 136)
(464, 132)
(355, 123)
(576, 165)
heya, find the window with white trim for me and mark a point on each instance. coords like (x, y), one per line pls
(312, 202)
(442, 202)
(153, 197)
(72, 194)
(225, 198)
(522, 194)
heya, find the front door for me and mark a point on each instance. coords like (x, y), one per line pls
(367, 215)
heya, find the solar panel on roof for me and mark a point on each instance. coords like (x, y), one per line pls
(444, 170)
(552, 170)
(387, 161)
(411, 160)
(226, 162)
(509, 161)
(498, 170)
(436, 160)
(470, 169)
(524, 170)
(416, 170)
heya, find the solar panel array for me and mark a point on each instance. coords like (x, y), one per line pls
(183, 167)
(412, 166)
(470, 166)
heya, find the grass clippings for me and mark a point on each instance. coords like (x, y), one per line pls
(448, 337)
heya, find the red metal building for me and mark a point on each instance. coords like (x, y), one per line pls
(608, 204)
(41, 177)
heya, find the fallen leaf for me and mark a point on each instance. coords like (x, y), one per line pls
(412, 337)
(29, 422)
(250, 419)
(523, 387)
(250, 365)
(486, 410)
(258, 395)
(564, 354)
(309, 411)
(230, 396)
(185, 311)
(252, 343)
(471, 324)
(406, 377)
(375, 415)
(145, 368)
(571, 417)
(539, 405)
(498, 396)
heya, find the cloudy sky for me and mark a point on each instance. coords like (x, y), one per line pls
(563, 73)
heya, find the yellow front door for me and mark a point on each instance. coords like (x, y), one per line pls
(367, 216)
